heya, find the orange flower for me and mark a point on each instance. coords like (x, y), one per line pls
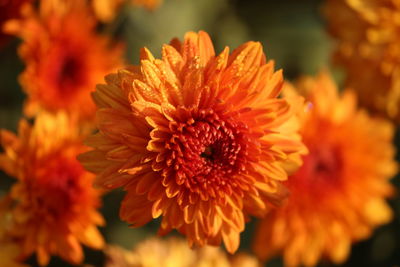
(197, 138)
(64, 57)
(174, 252)
(54, 202)
(338, 195)
(368, 36)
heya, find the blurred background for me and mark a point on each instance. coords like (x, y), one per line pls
(293, 34)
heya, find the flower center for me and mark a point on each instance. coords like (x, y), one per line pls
(57, 189)
(70, 73)
(326, 163)
(321, 170)
(66, 70)
(206, 151)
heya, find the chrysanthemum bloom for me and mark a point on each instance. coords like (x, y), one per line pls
(174, 252)
(338, 195)
(368, 36)
(55, 204)
(65, 58)
(197, 138)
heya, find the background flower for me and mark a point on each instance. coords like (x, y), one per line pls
(65, 58)
(338, 195)
(368, 35)
(54, 204)
(174, 252)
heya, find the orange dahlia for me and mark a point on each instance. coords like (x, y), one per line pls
(174, 252)
(197, 138)
(368, 36)
(54, 204)
(338, 195)
(65, 57)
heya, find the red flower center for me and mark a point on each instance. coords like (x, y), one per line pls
(206, 151)
(66, 70)
(320, 172)
(70, 70)
(57, 189)
(70, 74)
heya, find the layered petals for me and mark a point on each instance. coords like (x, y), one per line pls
(367, 35)
(64, 56)
(54, 206)
(339, 194)
(174, 252)
(197, 138)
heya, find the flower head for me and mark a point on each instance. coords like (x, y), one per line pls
(368, 35)
(197, 138)
(65, 58)
(174, 252)
(338, 195)
(54, 204)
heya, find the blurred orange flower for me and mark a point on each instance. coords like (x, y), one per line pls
(338, 195)
(54, 203)
(368, 36)
(174, 252)
(195, 137)
(65, 58)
